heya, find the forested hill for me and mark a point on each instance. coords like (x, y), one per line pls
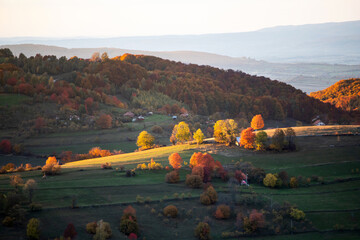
(344, 94)
(151, 83)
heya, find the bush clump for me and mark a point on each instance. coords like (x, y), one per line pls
(270, 180)
(297, 214)
(103, 230)
(91, 227)
(128, 223)
(209, 196)
(35, 207)
(222, 212)
(33, 229)
(157, 129)
(294, 182)
(194, 181)
(172, 177)
(171, 211)
(202, 231)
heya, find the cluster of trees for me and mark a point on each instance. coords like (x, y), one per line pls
(204, 90)
(344, 94)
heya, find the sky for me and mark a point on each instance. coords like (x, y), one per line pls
(115, 18)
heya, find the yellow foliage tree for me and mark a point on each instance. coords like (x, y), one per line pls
(181, 133)
(199, 136)
(145, 140)
(257, 122)
(225, 131)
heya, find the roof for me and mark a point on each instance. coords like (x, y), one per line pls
(129, 114)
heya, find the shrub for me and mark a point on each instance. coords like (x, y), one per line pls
(130, 173)
(222, 212)
(70, 231)
(106, 166)
(9, 166)
(297, 214)
(8, 221)
(255, 221)
(132, 236)
(51, 167)
(128, 226)
(35, 207)
(270, 180)
(5, 146)
(91, 227)
(283, 175)
(209, 196)
(240, 176)
(170, 211)
(33, 228)
(129, 210)
(193, 181)
(198, 170)
(294, 182)
(157, 129)
(103, 231)
(202, 231)
(172, 177)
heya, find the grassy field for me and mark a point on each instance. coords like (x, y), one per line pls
(103, 194)
(12, 99)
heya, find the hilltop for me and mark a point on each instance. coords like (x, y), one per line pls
(344, 94)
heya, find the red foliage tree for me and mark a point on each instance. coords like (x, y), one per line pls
(175, 161)
(130, 210)
(104, 121)
(239, 175)
(70, 231)
(39, 123)
(5, 146)
(89, 105)
(247, 138)
(257, 218)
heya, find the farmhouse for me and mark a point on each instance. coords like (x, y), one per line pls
(318, 123)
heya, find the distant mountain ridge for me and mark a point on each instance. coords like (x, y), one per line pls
(308, 77)
(327, 43)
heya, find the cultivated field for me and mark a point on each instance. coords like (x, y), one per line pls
(103, 194)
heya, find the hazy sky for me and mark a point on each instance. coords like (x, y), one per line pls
(95, 18)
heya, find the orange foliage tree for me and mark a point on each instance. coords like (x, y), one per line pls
(247, 138)
(175, 161)
(257, 122)
(104, 121)
(203, 160)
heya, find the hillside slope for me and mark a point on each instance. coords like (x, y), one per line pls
(344, 94)
(148, 83)
(308, 77)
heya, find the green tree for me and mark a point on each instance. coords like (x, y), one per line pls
(199, 136)
(290, 136)
(260, 140)
(181, 133)
(278, 139)
(33, 229)
(145, 140)
(225, 131)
